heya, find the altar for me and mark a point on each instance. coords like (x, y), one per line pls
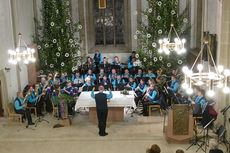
(116, 105)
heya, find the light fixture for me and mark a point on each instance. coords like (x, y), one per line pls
(166, 46)
(21, 53)
(206, 77)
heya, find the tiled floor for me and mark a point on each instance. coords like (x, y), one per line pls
(133, 135)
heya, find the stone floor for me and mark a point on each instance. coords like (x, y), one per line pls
(133, 135)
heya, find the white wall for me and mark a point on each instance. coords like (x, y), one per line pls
(193, 20)
(133, 23)
(7, 42)
(23, 15)
(24, 23)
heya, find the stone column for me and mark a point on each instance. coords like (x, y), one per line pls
(223, 59)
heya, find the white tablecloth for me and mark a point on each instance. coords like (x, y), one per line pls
(118, 100)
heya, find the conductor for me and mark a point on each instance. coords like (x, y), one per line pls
(102, 108)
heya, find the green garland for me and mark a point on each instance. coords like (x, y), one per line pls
(58, 38)
(156, 24)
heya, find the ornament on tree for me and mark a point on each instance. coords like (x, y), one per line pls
(46, 45)
(176, 2)
(155, 59)
(148, 35)
(185, 20)
(160, 31)
(68, 21)
(79, 63)
(169, 64)
(67, 3)
(137, 55)
(71, 40)
(159, 3)
(173, 12)
(57, 11)
(54, 40)
(73, 69)
(137, 32)
(51, 65)
(58, 54)
(59, 48)
(62, 64)
(72, 45)
(52, 24)
(79, 26)
(158, 17)
(154, 44)
(150, 51)
(41, 71)
(74, 55)
(66, 54)
(180, 62)
(160, 58)
(145, 59)
(150, 10)
(39, 47)
(79, 53)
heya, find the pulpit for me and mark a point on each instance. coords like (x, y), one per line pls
(180, 124)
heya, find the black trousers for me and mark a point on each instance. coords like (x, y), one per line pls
(146, 104)
(102, 117)
(70, 107)
(38, 106)
(47, 100)
(171, 98)
(139, 97)
(25, 114)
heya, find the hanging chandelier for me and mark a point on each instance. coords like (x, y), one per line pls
(21, 53)
(166, 46)
(208, 74)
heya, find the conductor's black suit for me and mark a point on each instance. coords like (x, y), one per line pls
(102, 109)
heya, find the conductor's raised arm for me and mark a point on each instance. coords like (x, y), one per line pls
(110, 95)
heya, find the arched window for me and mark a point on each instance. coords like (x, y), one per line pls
(109, 23)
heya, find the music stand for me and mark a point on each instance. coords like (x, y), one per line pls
(225, 141)
(120, 87)
(206, 127)
(88, 88)
(39, 117)
(128, 88)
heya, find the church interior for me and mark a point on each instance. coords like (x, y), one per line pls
(106, 76)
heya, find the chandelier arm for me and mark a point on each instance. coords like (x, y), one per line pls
(197, 57)
(19, 43)
(176, 33)
(208, 59)
(212, 59)
(169, 35)
(24, 43)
